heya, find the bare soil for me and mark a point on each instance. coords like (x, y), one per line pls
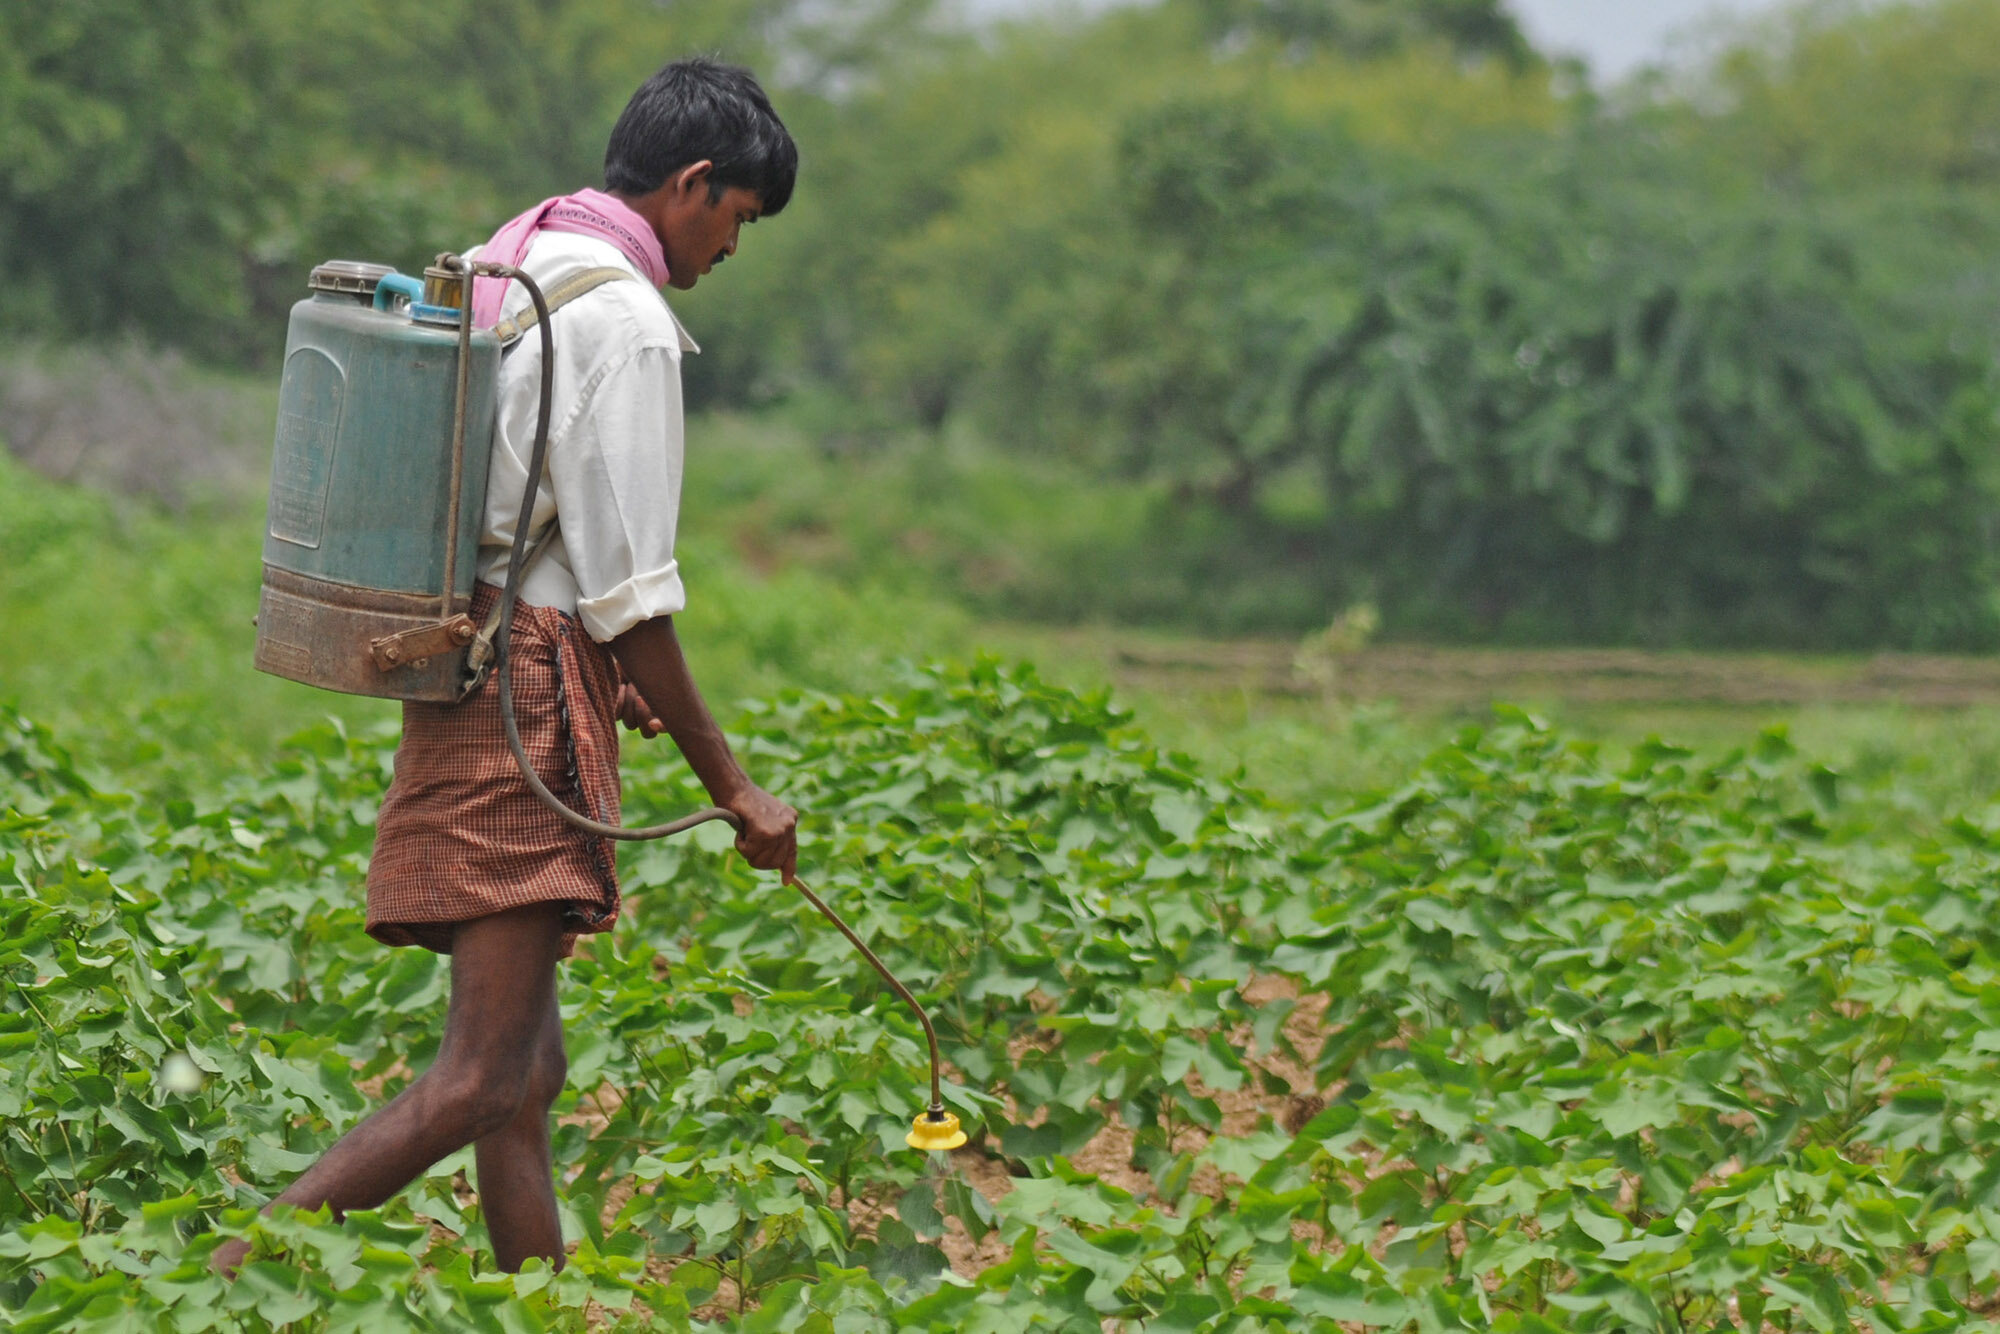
(1423, 675)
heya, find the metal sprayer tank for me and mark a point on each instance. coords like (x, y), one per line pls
(363, 535)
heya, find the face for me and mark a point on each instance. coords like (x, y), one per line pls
(698, 233)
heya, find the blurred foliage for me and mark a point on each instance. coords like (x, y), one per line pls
(1378, 305)
(175, 169)
(1843, 94)
(1368, 27)
(134, 630)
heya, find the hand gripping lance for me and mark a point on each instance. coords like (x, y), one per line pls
(378, 487)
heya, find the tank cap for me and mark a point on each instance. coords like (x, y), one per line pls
(352, 276)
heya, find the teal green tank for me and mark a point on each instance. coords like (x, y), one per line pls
(358, 530)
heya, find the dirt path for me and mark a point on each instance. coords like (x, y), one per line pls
(1415, 674)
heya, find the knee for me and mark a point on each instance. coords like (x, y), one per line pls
(481, 1096)
(547, 1075)
(469, 1101)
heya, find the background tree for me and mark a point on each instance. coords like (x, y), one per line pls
(1378, 308)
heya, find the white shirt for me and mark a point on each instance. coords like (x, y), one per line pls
(616, 445)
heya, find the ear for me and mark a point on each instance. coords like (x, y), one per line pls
(694, 176)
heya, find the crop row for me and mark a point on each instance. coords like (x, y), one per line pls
(1542, 1039)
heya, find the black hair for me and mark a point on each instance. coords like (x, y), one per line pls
(698, 108)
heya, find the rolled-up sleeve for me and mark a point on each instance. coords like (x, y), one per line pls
(616, 470)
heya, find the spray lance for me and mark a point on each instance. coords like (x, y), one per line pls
(358, 388)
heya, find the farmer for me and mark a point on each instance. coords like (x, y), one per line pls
(467, 862)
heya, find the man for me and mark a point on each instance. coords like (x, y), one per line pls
(467, 861)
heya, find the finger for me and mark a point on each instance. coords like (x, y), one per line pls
(654, 727)
(759, 857)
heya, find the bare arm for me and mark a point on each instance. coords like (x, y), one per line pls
(650, 656)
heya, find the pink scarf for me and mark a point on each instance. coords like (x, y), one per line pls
(585, 213)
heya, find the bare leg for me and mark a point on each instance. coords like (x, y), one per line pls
(502, 993)
(516, 1175)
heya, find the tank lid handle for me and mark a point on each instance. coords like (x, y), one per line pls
(352, 276)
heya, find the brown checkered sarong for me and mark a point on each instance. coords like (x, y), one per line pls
(461, 836)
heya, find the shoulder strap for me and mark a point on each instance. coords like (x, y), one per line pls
(569, 289)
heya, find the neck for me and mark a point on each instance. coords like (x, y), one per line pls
(646, 206)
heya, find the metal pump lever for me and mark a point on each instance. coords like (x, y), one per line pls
(936, 1128)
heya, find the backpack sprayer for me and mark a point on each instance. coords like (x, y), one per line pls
(378, 490)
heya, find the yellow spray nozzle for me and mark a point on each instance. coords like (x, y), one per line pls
(936, 1130)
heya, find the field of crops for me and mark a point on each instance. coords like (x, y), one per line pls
(1542, 1038)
